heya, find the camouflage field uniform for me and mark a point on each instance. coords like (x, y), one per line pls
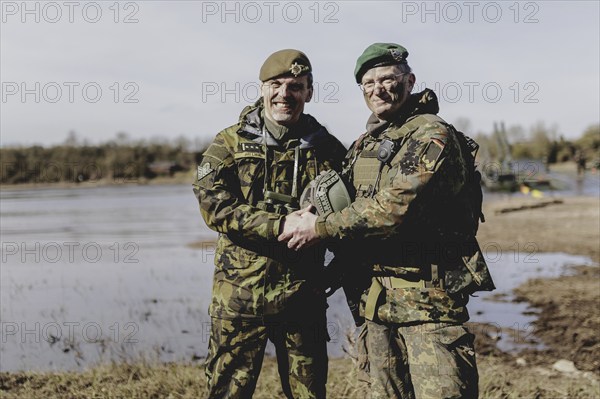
(262, 290)
(408, 213)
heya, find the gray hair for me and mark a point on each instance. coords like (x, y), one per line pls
(404, 68)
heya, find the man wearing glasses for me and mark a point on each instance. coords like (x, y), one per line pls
(249, 178)
(414, 222)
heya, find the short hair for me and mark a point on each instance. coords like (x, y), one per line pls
(404, 68)
(309, 79)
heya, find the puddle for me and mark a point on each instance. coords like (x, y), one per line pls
(512, 322)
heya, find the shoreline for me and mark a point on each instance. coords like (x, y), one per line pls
(179, 178)
(567, 325)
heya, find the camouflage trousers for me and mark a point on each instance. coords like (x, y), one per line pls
(425, 361)
(236, 350)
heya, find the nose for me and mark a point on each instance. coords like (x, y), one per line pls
(378, 87)
(284, 90)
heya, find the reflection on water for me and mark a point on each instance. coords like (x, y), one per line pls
(94, 274)
(509, 270)
(97, 273)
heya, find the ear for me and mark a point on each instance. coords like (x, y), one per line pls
(309, 95)
(410, 81)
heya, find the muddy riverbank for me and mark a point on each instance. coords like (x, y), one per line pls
(569, 321)
(567, 324)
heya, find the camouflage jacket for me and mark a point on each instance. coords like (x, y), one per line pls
(410, 216)
(255, 276)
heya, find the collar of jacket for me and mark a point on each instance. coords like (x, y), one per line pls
(252, 121)
(425, 102)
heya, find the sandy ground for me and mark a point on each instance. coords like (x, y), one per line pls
(572, 227)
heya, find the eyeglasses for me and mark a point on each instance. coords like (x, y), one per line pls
(387, 82)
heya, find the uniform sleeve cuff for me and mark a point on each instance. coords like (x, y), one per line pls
(321, 227)
(273, 231)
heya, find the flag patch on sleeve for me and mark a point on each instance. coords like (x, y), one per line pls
(432, 154)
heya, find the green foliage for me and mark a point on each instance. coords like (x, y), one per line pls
(541, 142)
(118, 160)
(589, 142)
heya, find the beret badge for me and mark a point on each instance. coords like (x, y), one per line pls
(297, 69)
(396, 55)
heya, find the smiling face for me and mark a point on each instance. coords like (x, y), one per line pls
(284, 98)
(386, 89)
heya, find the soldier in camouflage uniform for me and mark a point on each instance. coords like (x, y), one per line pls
(247, 181)
(415, 218)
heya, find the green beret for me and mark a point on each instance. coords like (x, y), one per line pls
(379, 54)
(285, 62)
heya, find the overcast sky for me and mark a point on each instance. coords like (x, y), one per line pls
(171, 68)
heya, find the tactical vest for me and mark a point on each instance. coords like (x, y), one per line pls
(366, 168)
(274, 174)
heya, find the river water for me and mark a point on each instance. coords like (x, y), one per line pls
(95, 274)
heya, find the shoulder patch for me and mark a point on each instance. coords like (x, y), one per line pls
(432, 154)
(204, 171)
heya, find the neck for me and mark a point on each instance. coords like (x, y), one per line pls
(279, 131)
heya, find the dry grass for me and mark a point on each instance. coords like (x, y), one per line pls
(498, 379)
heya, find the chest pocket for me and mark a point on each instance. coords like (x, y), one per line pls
(366, 169)
(283, 170)
(282, 173)
(250, 167)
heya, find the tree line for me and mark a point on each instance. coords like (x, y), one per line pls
(126, 160)
(542, 143)
(120, 160)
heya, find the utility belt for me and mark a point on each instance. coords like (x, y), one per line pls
(379, 284)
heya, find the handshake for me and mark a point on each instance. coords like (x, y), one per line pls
(298, 229)
(326, 194)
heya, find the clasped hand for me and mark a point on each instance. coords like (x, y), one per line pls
(299, 229)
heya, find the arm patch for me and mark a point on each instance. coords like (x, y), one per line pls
(410, 160)
(432, 154)
(204, 170)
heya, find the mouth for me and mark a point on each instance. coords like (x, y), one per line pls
(379, 101)
(282, 106)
